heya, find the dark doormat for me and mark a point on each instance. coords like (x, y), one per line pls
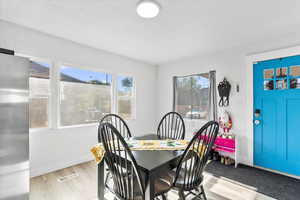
(274, 185)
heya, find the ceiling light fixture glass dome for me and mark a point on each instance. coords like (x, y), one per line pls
(147, 8)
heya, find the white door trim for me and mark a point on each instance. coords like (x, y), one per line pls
(250, 59)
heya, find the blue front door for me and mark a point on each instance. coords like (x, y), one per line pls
(277, 114)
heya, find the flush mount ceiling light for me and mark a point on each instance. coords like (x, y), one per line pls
(147, 8)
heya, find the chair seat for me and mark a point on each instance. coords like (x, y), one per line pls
(181, 179)
(161, 186)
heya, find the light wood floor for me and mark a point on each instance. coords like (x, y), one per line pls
(82, 185)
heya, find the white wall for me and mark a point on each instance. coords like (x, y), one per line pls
(55, 149)
(232, 65)
(227, 64)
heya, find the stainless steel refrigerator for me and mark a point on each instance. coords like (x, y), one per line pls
(14, 128)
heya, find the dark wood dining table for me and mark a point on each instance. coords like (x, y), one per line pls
(151, 163)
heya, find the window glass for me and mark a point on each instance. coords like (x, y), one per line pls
(125, 96)
(85, 96)
(39, 91)
(192, 96)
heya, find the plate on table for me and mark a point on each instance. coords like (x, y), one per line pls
(172, 143)
(133, 143)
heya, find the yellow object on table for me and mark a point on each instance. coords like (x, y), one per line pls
(146, 145)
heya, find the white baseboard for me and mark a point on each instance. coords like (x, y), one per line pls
(278, 172)
(245, 162)
(54, 166)
(270, 170)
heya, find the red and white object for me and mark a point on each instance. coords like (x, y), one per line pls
(225, 120)
(227, 147)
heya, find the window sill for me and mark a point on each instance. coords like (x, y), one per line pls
(195, 120)
(35, 130)
(130, 119)
(79, 126)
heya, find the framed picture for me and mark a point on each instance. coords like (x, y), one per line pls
(295, 71)
(268, 73)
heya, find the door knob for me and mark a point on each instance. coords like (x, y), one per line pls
(257, 113)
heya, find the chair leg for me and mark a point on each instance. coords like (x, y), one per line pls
(181, 195)
(203, 192)
(164, 197)
(106, 178)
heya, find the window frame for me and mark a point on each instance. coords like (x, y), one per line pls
(50, 95)
(59, 65)
(133, 108)
(54, 94)
(192, 120)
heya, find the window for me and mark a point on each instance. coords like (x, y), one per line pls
(39, 90)
(85, 96)
(192, 96)
(125, 96)
(80, 96)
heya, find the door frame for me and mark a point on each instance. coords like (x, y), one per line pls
(250, 60)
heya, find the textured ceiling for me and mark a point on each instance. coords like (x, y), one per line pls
(183, 28)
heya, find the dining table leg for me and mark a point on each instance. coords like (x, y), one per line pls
(101, 186)
(149, 192)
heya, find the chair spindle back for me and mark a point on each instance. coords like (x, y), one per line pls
(118, 123)
(171, 126)
(195, 157)
(122, 164)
